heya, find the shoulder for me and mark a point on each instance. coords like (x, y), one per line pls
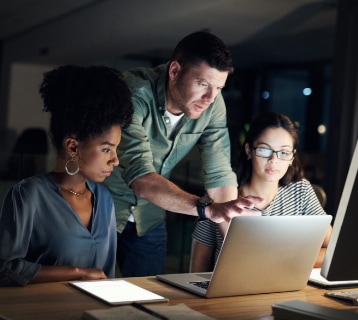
(147, 86)
(299, 191)
(295, 191)
(32, 184)
(139, 79)
(31, 190)
(298, 186)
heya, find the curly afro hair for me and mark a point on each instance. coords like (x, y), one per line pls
(85, 102)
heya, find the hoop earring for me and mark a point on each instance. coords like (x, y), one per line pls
(71, 173)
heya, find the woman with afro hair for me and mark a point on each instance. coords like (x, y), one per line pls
(60, 225)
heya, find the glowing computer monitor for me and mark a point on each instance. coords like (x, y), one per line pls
(341, 260)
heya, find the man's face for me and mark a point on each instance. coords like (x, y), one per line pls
(192, 92)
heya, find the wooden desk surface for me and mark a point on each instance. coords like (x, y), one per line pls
(59, 300)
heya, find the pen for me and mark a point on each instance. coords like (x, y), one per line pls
(149, 311)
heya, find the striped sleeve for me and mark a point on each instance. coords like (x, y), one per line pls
(205, 232)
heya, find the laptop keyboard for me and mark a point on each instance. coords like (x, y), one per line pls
(201, 284)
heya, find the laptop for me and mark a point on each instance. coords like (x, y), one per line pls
(260, 254)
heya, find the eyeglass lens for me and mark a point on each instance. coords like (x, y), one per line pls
(267, 153)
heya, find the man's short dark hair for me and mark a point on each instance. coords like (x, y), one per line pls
(200, 47)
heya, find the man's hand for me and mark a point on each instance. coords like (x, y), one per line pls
(220, 212)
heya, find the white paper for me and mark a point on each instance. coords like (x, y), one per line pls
(117, 291)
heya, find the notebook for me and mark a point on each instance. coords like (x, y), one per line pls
(260, 254)
(117, 291)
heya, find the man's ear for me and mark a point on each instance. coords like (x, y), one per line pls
(174, 70)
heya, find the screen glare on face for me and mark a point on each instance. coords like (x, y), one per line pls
(267, 153)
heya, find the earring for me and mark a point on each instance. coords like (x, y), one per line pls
(71, 173)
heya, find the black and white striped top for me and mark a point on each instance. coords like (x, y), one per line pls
(295, 199)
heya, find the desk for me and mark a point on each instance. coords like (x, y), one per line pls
(59, 300)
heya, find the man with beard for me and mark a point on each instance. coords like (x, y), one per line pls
(176, 106)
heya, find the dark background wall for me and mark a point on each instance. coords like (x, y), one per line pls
(279, 47)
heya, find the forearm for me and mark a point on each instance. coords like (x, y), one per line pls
(67, 273)
(165, 194)
(223, 194)
(202, 257)
(168, 196)
(322, 252)
(320, 257)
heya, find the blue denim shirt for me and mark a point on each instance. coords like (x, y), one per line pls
(146, 147)
(39, 227)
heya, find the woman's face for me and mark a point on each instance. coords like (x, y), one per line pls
(271, 169)
(98, 156)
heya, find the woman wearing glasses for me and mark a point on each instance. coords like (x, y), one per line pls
(268, 168)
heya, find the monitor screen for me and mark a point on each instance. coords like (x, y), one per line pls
(341, 260)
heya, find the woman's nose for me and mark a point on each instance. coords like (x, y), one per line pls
(115, 159)
(273, 157)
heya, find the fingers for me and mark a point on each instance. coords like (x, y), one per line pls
(242, 211)
(250, 212)
(220, 212)
(249, 201)
(254, 198)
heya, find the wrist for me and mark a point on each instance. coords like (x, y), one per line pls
(78, 273)
(202, 204)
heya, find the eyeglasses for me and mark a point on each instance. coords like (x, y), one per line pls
(267, 153)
